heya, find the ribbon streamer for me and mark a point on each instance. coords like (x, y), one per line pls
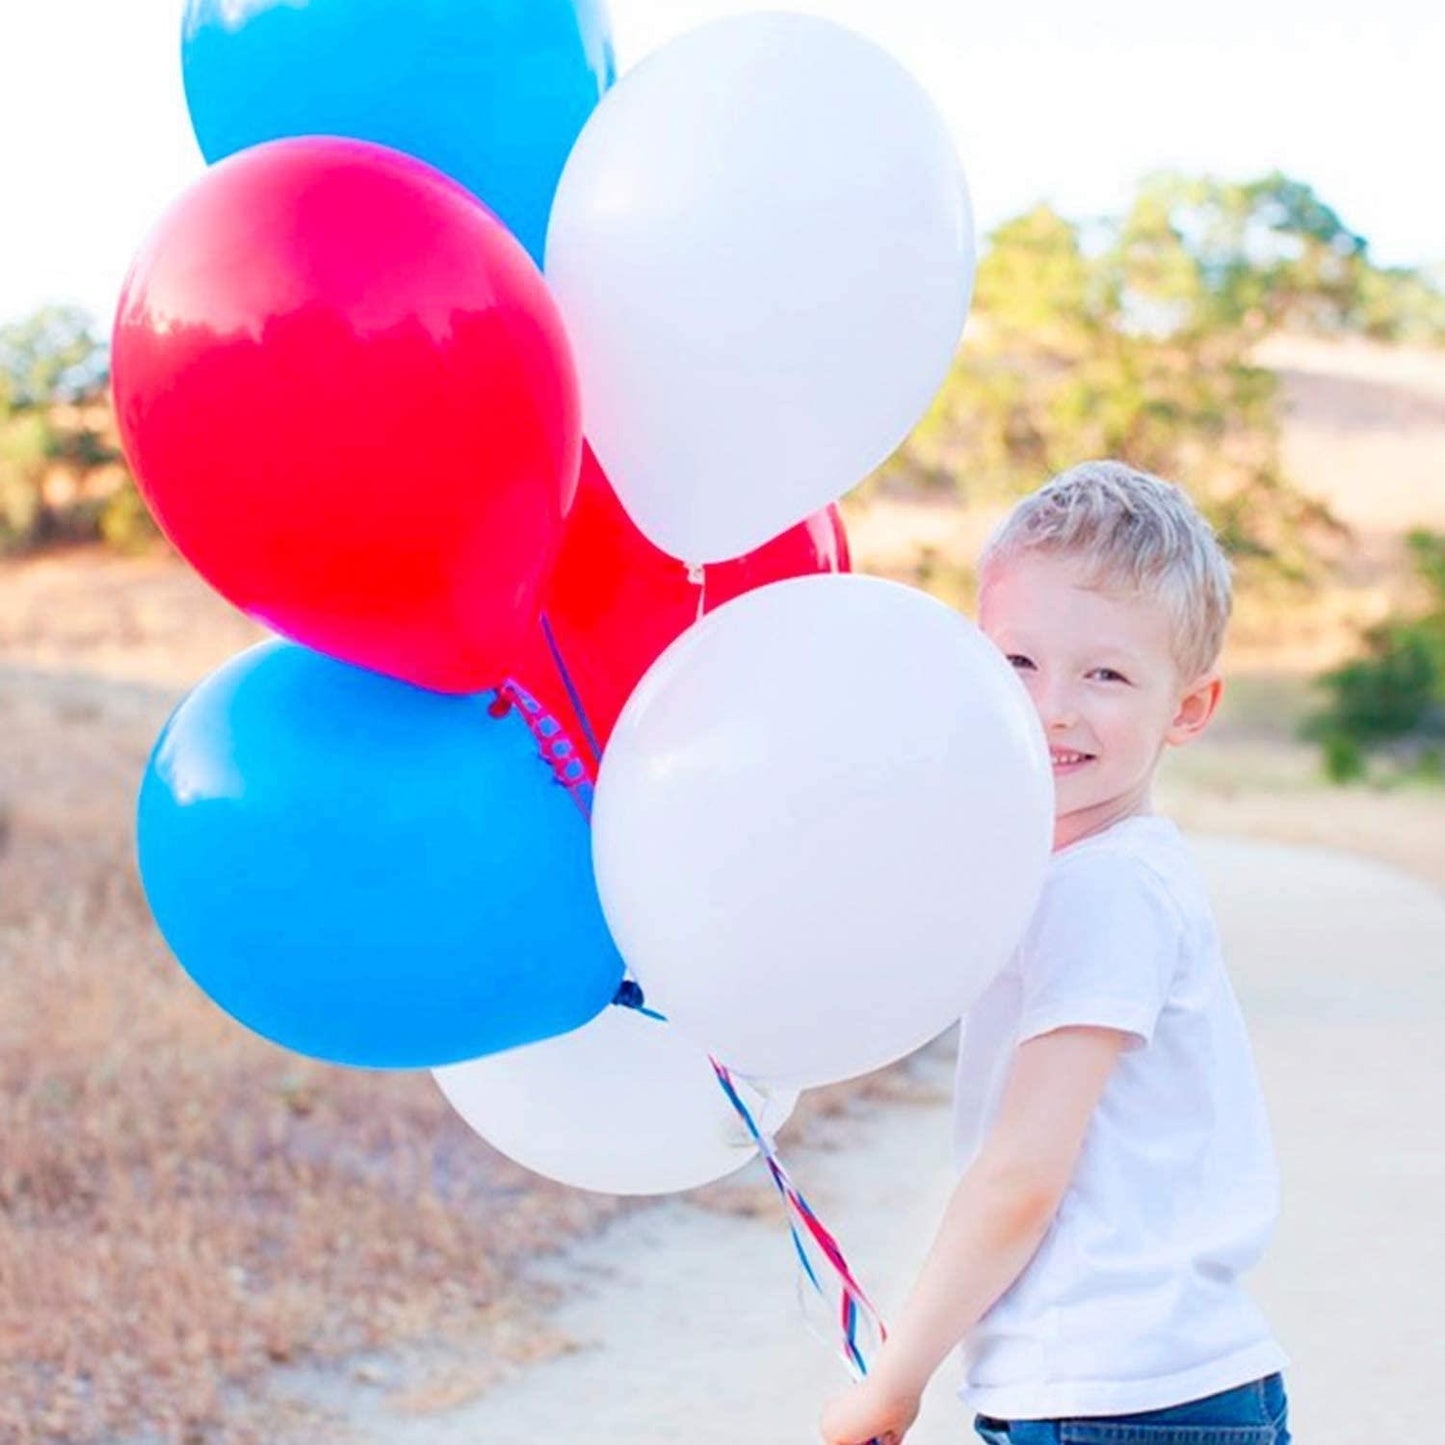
(854, 1313)
(855, 1325)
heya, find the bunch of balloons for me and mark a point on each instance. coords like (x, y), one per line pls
(353, 367)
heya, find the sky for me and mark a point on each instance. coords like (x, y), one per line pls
(1052, 100)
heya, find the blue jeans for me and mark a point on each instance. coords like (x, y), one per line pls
(1253, 1414)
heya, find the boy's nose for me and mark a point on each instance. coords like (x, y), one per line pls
(1060, 713)
(1055, 701)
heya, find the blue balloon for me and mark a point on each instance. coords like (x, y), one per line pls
(369, 873)
(493, 92)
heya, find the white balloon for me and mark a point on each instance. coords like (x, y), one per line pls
(763, 249)
(821, 825)
(623, 1105)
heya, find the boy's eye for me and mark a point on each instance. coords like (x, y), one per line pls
(1016, 660)
(1109, 675)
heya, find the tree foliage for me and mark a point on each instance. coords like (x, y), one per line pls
(1402, 304)
(1268, 253)
(1134, 338)
(55, 426)
(51, 356)
(1391, 698)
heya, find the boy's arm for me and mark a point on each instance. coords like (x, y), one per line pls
(997, 1217)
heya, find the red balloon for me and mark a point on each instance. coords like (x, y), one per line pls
(349, 401)
(614, 601)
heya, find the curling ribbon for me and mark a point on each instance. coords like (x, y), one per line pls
(825, 1268)
(552, 742)
(855, 1311)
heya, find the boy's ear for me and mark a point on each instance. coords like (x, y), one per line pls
(1197, 705)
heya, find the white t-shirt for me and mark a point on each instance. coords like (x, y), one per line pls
(1133, 1300)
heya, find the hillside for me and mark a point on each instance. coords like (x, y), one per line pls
(1364, 431)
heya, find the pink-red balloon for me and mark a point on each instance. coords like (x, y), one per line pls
(349, 401)
(615, 602)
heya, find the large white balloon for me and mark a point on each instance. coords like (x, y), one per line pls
(821, 824)
(763, 249)
(624, 1105)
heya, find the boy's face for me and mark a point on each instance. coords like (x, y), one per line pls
(1101, 672)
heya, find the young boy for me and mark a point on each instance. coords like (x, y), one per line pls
(1119, 1173)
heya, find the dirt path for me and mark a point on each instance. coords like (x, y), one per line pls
(684, 1320)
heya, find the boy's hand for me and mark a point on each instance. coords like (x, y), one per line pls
(869, 1412)
(1000, 1211)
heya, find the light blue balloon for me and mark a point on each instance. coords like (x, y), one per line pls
(493, 92)
(369, 873)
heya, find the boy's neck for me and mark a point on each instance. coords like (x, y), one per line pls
(1073, 828)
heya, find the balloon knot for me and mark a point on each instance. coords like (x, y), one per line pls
(499, 706)
(629, 995)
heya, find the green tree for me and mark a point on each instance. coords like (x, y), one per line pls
(1267, 253)
(52, 355)
(1391, 698)
(1115, 342)
(1401, 304)
(54, 418)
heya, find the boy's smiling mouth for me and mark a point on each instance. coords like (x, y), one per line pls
(1065, 761)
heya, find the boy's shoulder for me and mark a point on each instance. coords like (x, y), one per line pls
(1143, 853)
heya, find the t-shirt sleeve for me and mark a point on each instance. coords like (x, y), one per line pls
(1101, 950)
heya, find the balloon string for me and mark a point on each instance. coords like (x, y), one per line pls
(854, 1308)
(573, 696)
(559, 753)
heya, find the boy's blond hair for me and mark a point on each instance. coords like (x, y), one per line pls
(1136, 533)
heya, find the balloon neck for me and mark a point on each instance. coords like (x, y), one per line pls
(500, 705)
(697, 575)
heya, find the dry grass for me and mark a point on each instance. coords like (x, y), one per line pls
(182, 1205)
